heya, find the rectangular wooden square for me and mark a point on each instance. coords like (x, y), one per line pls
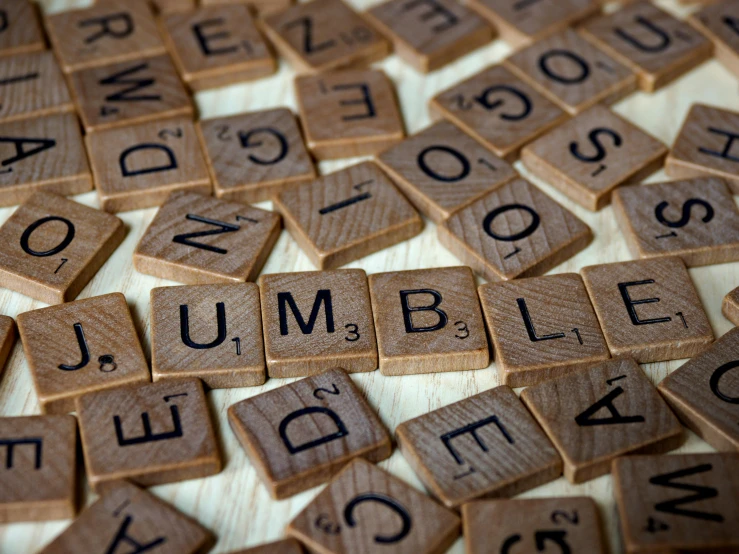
(79, 347)
(20, 29)
(300, 435)
(718, 21)
(730, 306)
(314, 321)
(648, 309)
(51, 247)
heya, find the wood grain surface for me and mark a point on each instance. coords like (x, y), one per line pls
(225, 503)
(22, 29)
(715, 21)
(730, 306)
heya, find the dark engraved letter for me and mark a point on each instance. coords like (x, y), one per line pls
(115, 25)
(10, 444)
(471, 429)
(185, 327)
(323, 296)
(308, 46)
(484, 100)
(341, 430)
(437, 10)
(523, 308)
(388, 501)
(79, 332)
(148, 436)
(26, 236)
(630, 304)
(583, 69)
(600, 151)
(433, 307)
(487, 224)
(245, 139)
(169, 165)
(205, 39)
(20, 151)
(586, 419)
(727, 148)
(122, 537)
(716, 378)
(663, 39)
(365, 100)
(464, 164)
(3, 20)
(223, 227)
(701, 493)
(127, 94)
(659, 213)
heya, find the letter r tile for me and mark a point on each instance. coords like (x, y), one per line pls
(300, 435)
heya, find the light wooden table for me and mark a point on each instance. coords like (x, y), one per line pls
(234, 504)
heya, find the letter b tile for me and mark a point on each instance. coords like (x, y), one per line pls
(300, 435)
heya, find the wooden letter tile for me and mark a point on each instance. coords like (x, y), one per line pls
(572, 73)
(683, 503)
(718, 22)
(596, 415)
(300, 435)
(314, 321)
(704, 392)
(696, 220)
(485, 446)
(20, 30)
(217, 46)
(38, 474)
(347, 215)
(51, 247)
(213, 332)
(730, 306)
(79, 347)
(32, 85)
(129, 92)
(541, 327)
(514, 231)
(287, 546)
(149, 434)
(498, 109)
(253, 156)
(42, 153)
(658, 47)
(589, 156)
(648, 309)
(348, 113)
(365, 510)
(127, 517)
(110, 31)
(441, 169)
(533, 525)
(427, 321)
(197, 239)
(705, 146)
(325, 34)
(431, 33)
(7, 339)
(139, 166)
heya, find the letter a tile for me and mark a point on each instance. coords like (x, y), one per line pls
(213, 332)
(486, 446)
(38, 473)
(719, 21)
(365, 510)
(79, 347)
(197, 240)
(730, 306)
(684, 503)
(648, 309)
(596, 415)
(300, 435)
(51, 247)
(20, 31)
(148, 434)
(127, 517)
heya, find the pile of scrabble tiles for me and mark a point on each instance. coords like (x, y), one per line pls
(110, 106)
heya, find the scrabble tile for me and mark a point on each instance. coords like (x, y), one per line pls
(139, 166)
(521, 23)
(261, 8)
(441, 169)
(135, 518)
(648, 309)
(704, 393)
(730, 306)
(681, 503)
(213, 332)
(38, 476)
(177, 442)
(317, 320)
(366, 510)
(20, 30)
(428, 321)
(7, 339)
(596, 415)
(658, 47)
(287, 546)
(79, 347)
(32, 85)
(696, 220)
(485, 446)
(253, 156)
(130, 92)
(572, 73)
(42, 153)
(705, 146)
(217, 46)
(348, 113)
(347, 215)
(300, 435)
(110, 31)
(323, 35)
(718, 22)
(499, 110)
(429, 35)
(572, 524)
(51, 247)
(589, 156)
(197, 240)
(515, 231)
(541, 328)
